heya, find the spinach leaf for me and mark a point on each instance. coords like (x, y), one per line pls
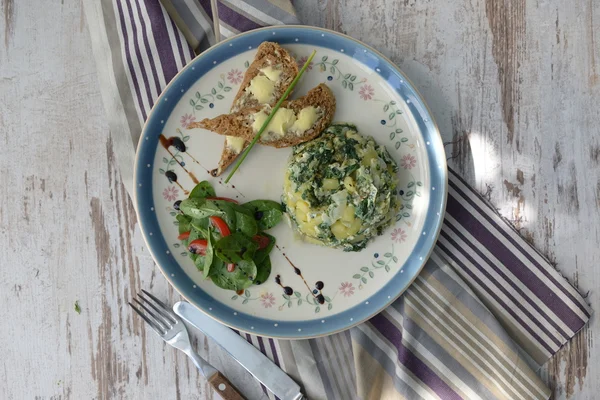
(248, 269)
(194, 234)
(208, 258)
(263, 270)
(202, 190)
(235, 248)
(261, 254)
(198, 261)
(241, 278)
(201, 225)
(267, 213)
(202, 208)
(184, 223)
(246, 224)
(192, 207)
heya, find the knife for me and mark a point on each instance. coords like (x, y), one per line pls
(243, 352)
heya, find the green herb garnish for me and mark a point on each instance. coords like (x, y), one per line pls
(77, 307)
(273, 111)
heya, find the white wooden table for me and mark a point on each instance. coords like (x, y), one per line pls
(515, 89)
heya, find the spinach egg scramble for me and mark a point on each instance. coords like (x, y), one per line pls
(340, 188)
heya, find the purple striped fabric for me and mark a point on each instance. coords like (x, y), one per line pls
(136, 45)
(231, 17)
(525, 275)
(501, 273)
(559, 281)
(160, 35)
(147, 44)
(415, 364)
(509, 310)
(128, 57)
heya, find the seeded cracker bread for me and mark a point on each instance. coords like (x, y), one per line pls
(269, 54)
(239, 124)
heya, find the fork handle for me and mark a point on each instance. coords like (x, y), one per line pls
(223, 387)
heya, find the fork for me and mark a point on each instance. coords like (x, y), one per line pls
(172, 330)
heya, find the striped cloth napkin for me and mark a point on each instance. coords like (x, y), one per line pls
(484, 314)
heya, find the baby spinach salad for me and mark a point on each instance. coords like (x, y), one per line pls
(227, 240)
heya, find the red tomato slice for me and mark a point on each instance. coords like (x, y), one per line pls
(183, 236)
(220, 225)
(224, 199)
(261, 240)
(198, 246)
(230, 267)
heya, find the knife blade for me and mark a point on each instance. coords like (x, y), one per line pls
(255, 362)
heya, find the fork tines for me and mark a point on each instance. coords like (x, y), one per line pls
(161, 319)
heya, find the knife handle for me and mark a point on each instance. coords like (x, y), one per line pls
(224, 388)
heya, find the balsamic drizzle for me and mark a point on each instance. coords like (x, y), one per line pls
(316, 294)
(180, 146)
(286, 289)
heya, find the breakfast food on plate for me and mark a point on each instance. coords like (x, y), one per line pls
(265, 82)
(340, 188)
(296, 121)
(225, 239)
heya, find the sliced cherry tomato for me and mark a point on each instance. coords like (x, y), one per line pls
(220, 225)
(183, 236)
(261, 240)
(224, 199)
(198, 246)
(230, 267)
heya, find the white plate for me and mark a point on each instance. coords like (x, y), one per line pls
(372, 94)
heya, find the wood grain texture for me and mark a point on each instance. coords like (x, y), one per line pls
(513, 85)
(224, 388)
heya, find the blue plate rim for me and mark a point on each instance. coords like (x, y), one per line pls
(292, 329)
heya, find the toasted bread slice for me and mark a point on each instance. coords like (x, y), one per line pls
(297, 121)
(273, 65)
